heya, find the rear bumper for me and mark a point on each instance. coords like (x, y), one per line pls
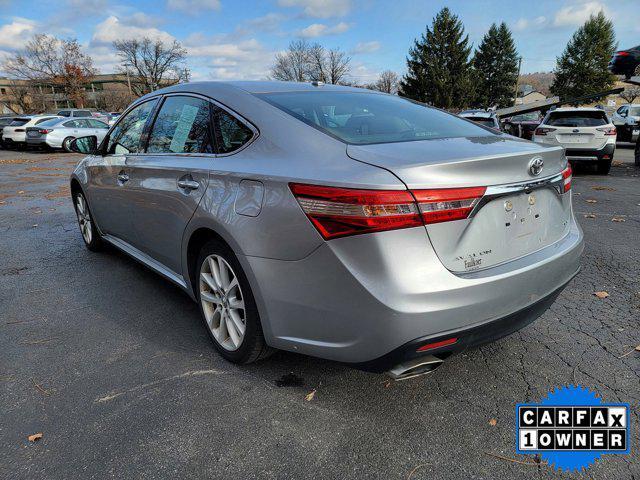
(589, 154)
(365, 298)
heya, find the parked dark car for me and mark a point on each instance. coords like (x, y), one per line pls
(522, 125)
(626, 62)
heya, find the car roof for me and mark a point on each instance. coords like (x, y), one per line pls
(577, 109)
(212, 88)
(477, 114)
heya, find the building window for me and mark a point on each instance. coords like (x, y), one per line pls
(3, 91)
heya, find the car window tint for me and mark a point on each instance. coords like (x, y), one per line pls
(82, 113)
(70, 124)
(18, 122)
(97, 124)
(125, 137)
(365, 118)
(577, 119)
(64, 113)
(181, 126)
(41, 120)
(231, 133)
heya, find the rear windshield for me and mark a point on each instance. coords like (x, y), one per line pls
(365, 118)
(576, 119)
(18, 122)
(50, 123)
(487, 122)
(526, 117)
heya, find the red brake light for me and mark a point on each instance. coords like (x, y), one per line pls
(447, 204)
(608, 130)
(622, 54)
(566, 176)
(44, 131)
(339, 212)
(540, 131)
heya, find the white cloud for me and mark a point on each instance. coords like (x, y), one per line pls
(366, 47)
(113, 28)
(320, 8)
(321, 30)
(524, 24)
(577, 14)
(193, 7)
(14, 35)
(267, 23)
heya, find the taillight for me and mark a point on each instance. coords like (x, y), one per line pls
(543, 131)
(44, 131)
(608, 130)
(566, 177)
(447, 204)
(339, 212)
(622, 54)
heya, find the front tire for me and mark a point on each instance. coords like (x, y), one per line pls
(87, 226)
(227, 305)
(603, 167)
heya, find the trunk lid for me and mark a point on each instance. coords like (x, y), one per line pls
(510, 221)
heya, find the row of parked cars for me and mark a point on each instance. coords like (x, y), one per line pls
(53, 130)
(587, 134)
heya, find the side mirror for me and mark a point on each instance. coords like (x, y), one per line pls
(87, 145)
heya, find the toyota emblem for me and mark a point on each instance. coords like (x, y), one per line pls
(535, 166)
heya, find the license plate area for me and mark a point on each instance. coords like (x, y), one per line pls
(574, 138)
(522, 216)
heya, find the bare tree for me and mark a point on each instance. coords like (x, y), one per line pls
(49, 60)
(22, 96)
(338, 66)
(387, 82)
(292, 65)
(153, 63)
(303, 62)
(630, 94)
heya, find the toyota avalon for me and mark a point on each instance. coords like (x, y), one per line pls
(332, 221)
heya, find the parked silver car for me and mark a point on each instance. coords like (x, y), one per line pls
(332, 221)
(59, 132)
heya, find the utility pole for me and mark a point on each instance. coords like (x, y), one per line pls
(515, 96)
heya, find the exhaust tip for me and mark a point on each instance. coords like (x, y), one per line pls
(415, 368)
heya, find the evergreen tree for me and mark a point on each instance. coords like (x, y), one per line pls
(438, 65)
(582, 67)
(495, 66)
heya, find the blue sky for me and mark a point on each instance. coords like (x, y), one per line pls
(238, 39)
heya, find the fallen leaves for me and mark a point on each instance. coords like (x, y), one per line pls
(35, 437)
(637, 349)
(607, 189)
(493, 422)
(589, 215)
(310, 396)
(513, 460)
(591, 200)
(40, 388)
(618, 219)
(601, 294)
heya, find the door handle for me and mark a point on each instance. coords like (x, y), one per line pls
(123, 177)
(188, 184)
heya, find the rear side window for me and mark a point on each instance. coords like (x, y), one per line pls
(181, 126)
(231, 133)
(71, 124)
(82, 113)
(576, 119)
(125, 137)
(18, 122)
(83, 123)
(365, 118)
(97, 124)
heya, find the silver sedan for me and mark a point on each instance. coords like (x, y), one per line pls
(331, 221)
(59, 132)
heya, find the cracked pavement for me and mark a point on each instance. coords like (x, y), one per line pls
(113, 365)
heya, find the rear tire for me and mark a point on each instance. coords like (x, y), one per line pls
(235, 330)
(66, 144)
(603, 167)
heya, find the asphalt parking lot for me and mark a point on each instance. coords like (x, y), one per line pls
(113, 366)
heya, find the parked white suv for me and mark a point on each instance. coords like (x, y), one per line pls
(627, 121)
(15, 134)
(586, 134)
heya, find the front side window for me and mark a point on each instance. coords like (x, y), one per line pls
(577, 119)
(82, 113)
(364, 118)
(125, 137)
(64, 113)
(181, 126)
(231, 133)
(71, 124)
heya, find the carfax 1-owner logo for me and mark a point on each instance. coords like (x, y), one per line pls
(572, 427)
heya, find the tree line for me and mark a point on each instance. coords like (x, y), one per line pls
(443, 70)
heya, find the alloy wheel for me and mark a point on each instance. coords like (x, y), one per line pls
(84, 219)
(222, 302)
